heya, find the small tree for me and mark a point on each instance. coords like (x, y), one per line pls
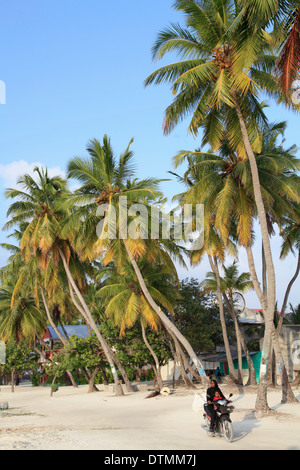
(131, 348)
(80, 353)
(19, 358)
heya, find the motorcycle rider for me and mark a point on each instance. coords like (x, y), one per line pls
(210, 408)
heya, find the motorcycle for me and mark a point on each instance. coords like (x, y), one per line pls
(223, 424)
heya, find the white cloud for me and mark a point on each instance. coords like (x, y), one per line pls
(10, 173)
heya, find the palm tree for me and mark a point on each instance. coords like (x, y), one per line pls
(104, 183)
(22, 320)
(223, 184)
(227, 59)
(126, 304)
(284, 17)
(288, 65)
(295, 314)
(233, 285)
(37, 212)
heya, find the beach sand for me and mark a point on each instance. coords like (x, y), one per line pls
(74, 419)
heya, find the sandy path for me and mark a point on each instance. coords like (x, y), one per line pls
(74, 419)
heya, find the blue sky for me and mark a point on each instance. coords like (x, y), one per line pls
(74, 71)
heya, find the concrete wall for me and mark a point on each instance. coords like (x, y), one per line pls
(289, 340)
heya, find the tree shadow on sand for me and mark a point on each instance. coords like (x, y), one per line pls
(244, 427)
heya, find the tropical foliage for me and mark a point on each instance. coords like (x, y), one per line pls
(87, 256)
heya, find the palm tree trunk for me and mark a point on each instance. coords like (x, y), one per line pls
(157, 371)
(215, 269)
(113, 355)
(264, 272)
(89, 317)
(238, 342)
(240, 335)
(165, 320)
(261, 401)
(178, 360)
(287, 293)
(184, 363)
(63, 340)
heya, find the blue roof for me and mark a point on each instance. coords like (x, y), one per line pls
(81, 331)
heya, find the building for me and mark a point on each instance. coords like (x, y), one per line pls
(81, 331)
(52, 339)
(246, 317)
(289, 340)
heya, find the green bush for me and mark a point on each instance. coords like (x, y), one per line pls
(149, 375)
(36, 379)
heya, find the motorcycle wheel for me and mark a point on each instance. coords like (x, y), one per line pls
(227, 430)
(207, 424)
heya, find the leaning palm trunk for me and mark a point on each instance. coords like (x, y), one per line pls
(269, 306)
(115, 358)
(184, 363)
(241, 340)
(178, 361)
(238, 342)
(63, 340)
(215, 269)
(157, 370)
(89, 317)
(165, 320)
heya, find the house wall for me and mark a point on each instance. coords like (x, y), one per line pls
(289, 340)
(256, 358)
(169, 373)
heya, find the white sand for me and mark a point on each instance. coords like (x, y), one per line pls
(74, 419)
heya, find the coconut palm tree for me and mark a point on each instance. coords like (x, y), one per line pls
(223, 184)
(288, 65)
(283, 16)
(37, 211)
(126, 304)
(104, 187)
(233, 285)
(213, 244)
(227, 59)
